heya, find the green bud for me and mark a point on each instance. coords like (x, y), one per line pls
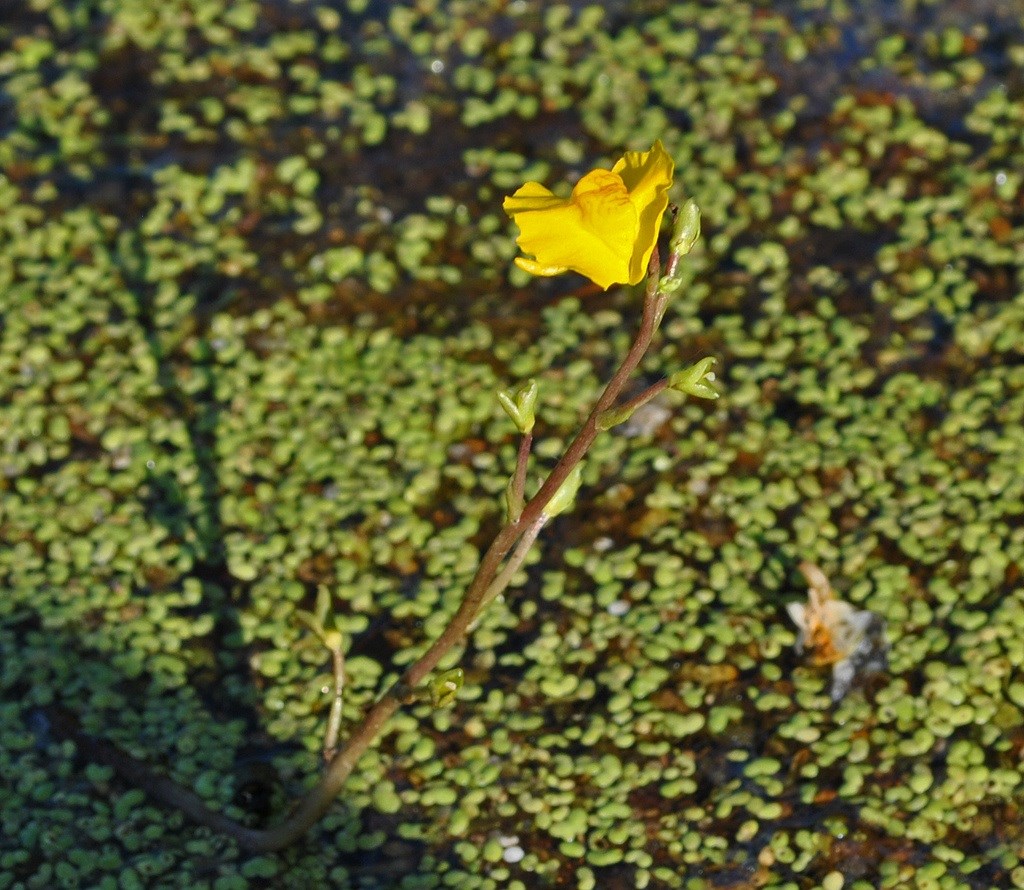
(445, 686)
(332, 639)
(686, 230)
(563, 499)
(520, 404)
(685, 233)
(696, 380)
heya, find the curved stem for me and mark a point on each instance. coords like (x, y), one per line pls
(316, 802)
(642, 398)
(491, 578)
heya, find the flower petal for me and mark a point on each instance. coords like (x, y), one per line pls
(606, 230)
(531, 196)
(592, 233)
(647, 176)
(535, 268)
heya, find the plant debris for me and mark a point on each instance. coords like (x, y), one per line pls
(835, 633)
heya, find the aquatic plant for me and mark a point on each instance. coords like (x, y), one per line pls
(606, 231)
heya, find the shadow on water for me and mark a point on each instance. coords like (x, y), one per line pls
(219, 674)
(198, 531)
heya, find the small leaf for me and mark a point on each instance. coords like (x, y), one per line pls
(311, 621)
(512, 509)
(613, 417)
(563, 499)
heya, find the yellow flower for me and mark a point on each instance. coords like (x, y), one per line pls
(606, 230)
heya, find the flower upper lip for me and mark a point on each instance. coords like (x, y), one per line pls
(606, 230)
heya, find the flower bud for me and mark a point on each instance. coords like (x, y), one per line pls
(687, 229)
(445, 686)
(696, 380)
(520, 404)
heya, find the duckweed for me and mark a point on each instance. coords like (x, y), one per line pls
(256, 302)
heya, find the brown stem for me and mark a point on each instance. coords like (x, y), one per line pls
(316, 802)
(641, 399)
(513, 563)
(486, 584)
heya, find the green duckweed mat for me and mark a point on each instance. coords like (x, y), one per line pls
(256, 300)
